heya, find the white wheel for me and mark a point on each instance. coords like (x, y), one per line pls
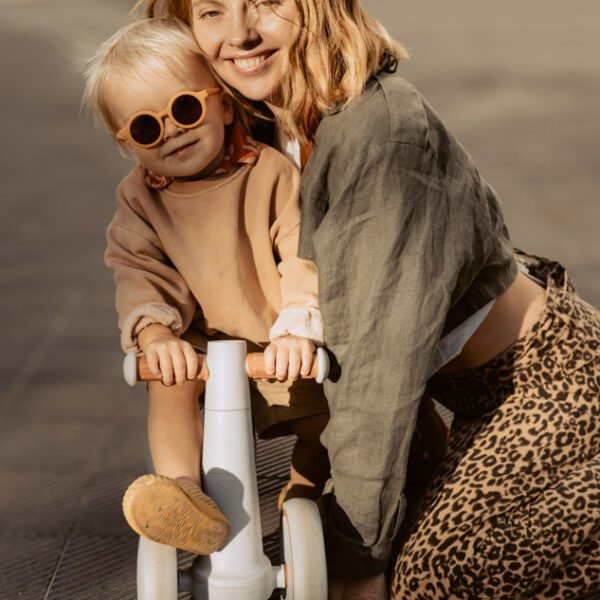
(324, 365)
(130, 368)
(303, 550)
(156, 571)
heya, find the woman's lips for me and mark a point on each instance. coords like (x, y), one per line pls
(251, 64)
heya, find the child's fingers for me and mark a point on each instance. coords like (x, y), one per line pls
(180, 368)
(308, 353)
(166, 366)
(281, 367)
(294, 363)
(270, 355)
(191, 359)
(152, 359)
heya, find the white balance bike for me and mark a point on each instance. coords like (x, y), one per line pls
(241, 570)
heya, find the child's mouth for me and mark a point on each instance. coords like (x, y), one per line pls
(181, 150)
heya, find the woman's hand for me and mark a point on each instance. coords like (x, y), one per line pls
(371, 588)
(288, 357)
(168, 356)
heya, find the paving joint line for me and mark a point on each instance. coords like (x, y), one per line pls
(83, 503)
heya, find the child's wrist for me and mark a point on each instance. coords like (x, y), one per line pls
(151, 332)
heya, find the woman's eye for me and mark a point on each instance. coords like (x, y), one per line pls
(208, 14)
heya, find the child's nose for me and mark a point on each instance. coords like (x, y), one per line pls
(171, 129)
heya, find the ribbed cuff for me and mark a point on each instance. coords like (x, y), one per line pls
(301, 321)
(145, 315)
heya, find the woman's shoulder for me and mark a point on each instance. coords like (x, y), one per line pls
(390, 110)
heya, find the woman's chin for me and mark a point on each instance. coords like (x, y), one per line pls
(258, 88)
(254, 91)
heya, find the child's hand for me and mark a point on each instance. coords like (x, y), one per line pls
(168, 356)
(288, 357)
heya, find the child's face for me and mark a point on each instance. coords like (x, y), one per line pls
(182, 152)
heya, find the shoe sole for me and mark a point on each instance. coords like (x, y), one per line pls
(160, 509)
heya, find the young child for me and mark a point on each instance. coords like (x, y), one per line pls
(207, 250)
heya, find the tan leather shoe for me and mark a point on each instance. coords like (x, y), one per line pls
(175, 512)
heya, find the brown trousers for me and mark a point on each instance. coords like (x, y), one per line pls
(514, 509)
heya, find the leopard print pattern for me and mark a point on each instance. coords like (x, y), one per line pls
(513, 512)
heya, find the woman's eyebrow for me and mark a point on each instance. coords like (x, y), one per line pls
(197, 3)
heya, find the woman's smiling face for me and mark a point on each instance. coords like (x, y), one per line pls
(247, 42)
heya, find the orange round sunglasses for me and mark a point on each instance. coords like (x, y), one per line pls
(186, 109)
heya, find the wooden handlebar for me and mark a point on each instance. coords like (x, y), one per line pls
(255, 367)
(143, 372)
(135, 368)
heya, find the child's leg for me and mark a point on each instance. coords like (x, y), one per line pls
(309, 469)
(175, 430)
(170, 507)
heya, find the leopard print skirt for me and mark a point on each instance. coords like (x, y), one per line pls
(514, 509)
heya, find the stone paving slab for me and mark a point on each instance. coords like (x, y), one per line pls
(95, 566)
(28, 563)
(39, 502)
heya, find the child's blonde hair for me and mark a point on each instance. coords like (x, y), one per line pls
(337, 49)
(145, 47)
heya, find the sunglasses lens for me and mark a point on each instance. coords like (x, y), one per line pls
(187, 110)
(145, 129)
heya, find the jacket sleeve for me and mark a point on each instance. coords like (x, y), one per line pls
(300, 314)
(394, 237)
(148, 288)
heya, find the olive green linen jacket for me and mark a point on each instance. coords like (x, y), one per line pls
(409, 240)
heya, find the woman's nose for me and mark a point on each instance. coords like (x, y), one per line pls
(243, 31)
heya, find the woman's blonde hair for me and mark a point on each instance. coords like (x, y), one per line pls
(339, 46)
(145, 47)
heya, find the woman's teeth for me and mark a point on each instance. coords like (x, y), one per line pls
(250, 63)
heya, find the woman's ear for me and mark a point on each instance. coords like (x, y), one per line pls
(227, 108)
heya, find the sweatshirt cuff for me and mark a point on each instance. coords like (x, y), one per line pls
(301, 321)
(347, 556)
(145, 315)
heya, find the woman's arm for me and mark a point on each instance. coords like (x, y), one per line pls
(398, 231)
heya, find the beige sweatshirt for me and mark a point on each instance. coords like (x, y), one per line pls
(219, 253)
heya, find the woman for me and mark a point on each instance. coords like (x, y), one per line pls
(421, 291)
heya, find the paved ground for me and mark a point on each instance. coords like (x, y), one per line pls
(519, 85)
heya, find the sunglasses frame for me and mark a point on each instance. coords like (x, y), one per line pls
(201, 96)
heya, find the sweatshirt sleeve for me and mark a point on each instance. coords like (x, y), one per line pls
(148, 288)
(300, 314)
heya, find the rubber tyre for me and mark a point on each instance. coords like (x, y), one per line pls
(303, 550)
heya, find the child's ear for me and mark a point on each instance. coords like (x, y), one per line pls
(227, 108)
(123, 146)
(120, 141)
